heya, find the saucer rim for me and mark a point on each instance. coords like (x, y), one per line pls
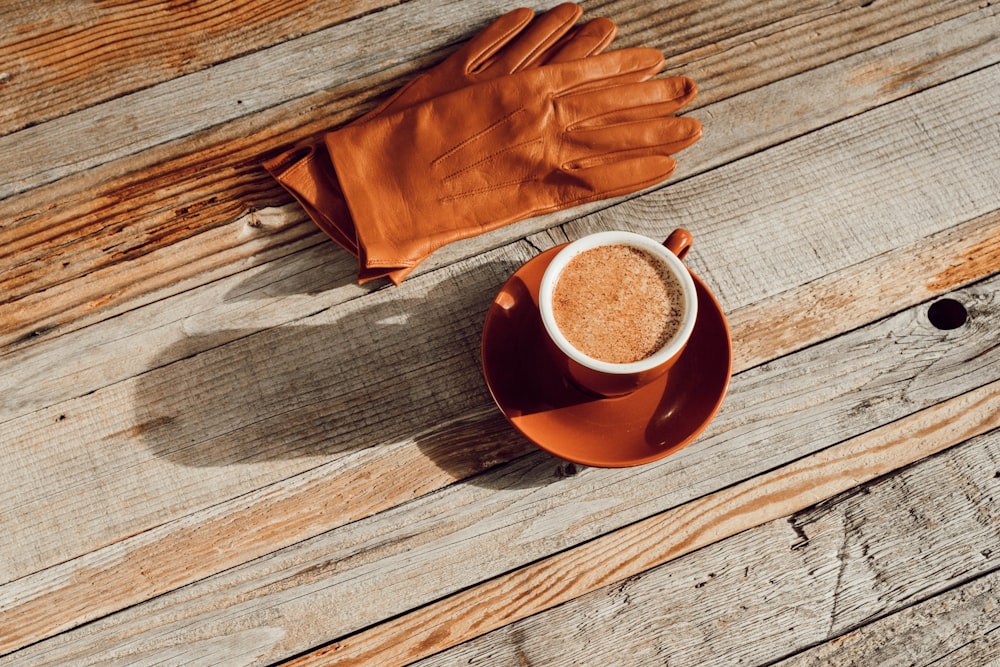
(612, 462)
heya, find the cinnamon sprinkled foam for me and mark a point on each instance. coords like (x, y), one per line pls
(617, 303)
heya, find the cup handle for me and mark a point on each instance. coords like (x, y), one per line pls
(679, 242)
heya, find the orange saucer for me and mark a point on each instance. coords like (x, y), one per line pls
(643, 426)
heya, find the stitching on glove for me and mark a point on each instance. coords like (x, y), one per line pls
(454, 149)
(491, 156)
(491, 188)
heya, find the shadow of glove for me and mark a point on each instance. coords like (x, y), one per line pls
(536, 141)
(514, 42)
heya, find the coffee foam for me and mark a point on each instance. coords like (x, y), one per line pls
(617, 303)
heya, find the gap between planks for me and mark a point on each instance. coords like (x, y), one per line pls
(659, 539)
(957, 624)
(217, 246)
(283, 230)
(922, 271)
(51, 55)
(873, 552)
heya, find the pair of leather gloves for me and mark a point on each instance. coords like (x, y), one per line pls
(528, 117)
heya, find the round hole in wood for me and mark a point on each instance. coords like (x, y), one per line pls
(947, 314)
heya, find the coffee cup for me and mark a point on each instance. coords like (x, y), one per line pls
(618, 309)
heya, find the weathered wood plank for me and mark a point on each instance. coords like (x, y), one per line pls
(320, 60)
(215, 418)
(266, 236)
(51, 54)
(833, 304)
(149, 445)
(125, 125)
(958, 627)
(876, 549)
(76, 263)
(513, 515)
(298, 504)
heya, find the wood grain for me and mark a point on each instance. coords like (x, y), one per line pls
(630, 551)
(146, 424)
(100, 524)
(281, 257)
(72, 248)
(287, 503)
(878, 555)
(957, 627)
(285, 71)
(50, 62)
(832, 305)
(797, 406)
(216, 448)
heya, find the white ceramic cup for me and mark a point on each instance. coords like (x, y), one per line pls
(615, 379)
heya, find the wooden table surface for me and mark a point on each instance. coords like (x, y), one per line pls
(217, 448)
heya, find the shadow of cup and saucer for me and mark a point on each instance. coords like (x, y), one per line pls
(382, 368)
(374, 370)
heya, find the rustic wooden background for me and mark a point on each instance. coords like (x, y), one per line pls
(217, 448)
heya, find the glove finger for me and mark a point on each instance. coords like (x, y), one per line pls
(604, 70)
(532, 44)
(624, 103)
(491, 39)
(495, 51)
(449, 72)
(661, 136)
(601, 180)
(583, 41)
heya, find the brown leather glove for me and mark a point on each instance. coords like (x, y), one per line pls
(512, 43)
(535, 141)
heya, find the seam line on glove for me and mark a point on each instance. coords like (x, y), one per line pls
(489, 188)
(454, 149)
(454, 174)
